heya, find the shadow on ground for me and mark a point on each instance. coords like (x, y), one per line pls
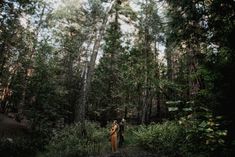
(130, 152)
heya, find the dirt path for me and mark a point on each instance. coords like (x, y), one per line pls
(131, 152)
(11, 128)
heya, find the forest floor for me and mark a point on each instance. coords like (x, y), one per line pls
(131, 152)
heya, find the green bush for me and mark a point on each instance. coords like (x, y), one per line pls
(69, 142)
(188, 137)
(204, 136)
(163, 138)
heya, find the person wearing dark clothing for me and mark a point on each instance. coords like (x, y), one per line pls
(121, 133)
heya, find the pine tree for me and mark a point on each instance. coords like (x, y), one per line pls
(106, 84)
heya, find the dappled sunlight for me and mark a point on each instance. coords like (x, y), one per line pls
(117, 78)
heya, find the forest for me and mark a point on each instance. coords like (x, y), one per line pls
(70, 68)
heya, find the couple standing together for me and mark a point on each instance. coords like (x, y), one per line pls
(117, 134)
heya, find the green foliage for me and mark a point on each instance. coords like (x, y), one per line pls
(69, 142)
(187, 137)
(210, 25)
(200, 66)
(163, 138)
(129, 135)
(106, 91)
(204, 135)
(45, 108)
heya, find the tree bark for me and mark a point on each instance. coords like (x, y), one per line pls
(80, 108)
(146, 49)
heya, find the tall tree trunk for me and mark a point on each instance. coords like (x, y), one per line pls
(80, 108)
(146, 68)
(2, 58)
(169, 70)
(150, 109)
(157, 76)
(29, 66)
(23, 95)
(145, 88)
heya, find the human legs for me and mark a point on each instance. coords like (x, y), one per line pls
(114, 143)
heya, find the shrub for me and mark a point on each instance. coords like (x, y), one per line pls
(163, 138)
(69, 142)
(204, 136)
(189, 137)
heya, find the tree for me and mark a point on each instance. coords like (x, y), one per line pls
(149, 35)
(16, 54)
(107, 79)
(197, 26)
